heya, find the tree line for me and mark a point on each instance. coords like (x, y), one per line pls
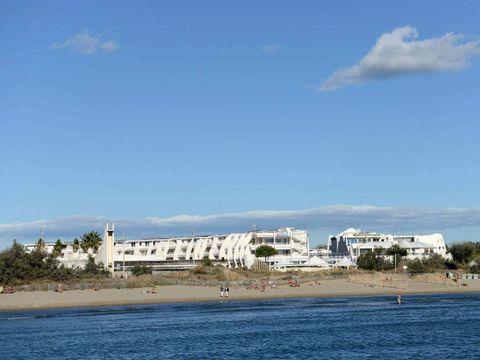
(20, 266)
(90, 240)
(465, 256)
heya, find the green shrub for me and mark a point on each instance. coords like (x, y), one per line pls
(416, 266)
(431, 264)
(200, 270)
(475, 266)
(138, 270)
(62, 274)
(91, 268)
(451, 265)
(206, 261)
(434, 262)
(463, 252)
(374, 260)
(19, 266)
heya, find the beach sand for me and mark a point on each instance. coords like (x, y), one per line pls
(168, 294)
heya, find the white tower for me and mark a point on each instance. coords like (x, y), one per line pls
(105, 254)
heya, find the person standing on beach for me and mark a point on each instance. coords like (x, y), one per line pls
(221, 290)
(226, 291)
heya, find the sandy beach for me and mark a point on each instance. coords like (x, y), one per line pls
(167, 294)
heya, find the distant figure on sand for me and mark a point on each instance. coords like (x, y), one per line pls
(221, 290)
(399, 299)
(226, 291)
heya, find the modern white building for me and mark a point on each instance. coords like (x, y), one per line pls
(235, 250)
(353, 243)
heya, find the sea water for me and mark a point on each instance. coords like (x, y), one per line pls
(423, 327)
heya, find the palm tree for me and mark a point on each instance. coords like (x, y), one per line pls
(57, 248)
(76, 245)
(40, 244)
(90, 240)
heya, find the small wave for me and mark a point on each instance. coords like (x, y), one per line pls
(17, 318)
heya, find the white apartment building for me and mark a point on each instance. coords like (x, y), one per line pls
(353, 243)
(234, 250)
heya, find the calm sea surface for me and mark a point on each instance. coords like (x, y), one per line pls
(424, 327)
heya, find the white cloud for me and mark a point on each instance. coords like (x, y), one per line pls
(333, 218)
(399, 52)
(269, 48)
(86, 43)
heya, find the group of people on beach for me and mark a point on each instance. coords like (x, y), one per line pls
(293, 283)
(152, 291)
(224, 291)
(7, 290)
(262, 286)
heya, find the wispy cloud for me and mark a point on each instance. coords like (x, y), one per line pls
(87, 43)
(327, 218)
(399, 53)
(269, 48)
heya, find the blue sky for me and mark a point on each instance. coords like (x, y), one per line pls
(133, 111)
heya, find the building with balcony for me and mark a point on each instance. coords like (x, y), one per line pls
(353, 243)
(234, 250)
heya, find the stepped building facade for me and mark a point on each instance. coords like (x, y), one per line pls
(234, 250)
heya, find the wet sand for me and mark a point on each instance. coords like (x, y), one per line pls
(169, 294)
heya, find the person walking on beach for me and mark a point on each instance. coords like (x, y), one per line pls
(226, 291)
(221, 290)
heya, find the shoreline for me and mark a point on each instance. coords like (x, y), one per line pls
(42, 300)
